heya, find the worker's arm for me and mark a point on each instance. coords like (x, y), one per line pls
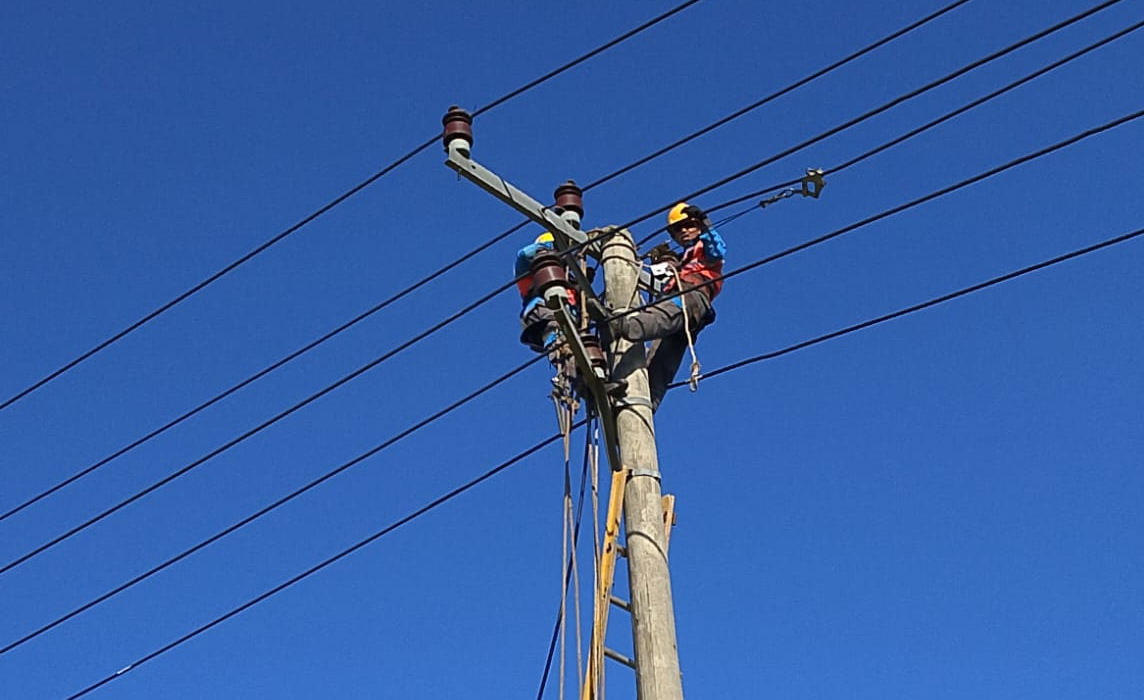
(714, 248)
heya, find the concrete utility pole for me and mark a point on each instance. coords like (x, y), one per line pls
(632, 441)
(653, 616)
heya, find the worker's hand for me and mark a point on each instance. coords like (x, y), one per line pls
(663, 253)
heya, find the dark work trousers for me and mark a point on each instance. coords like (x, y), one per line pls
(538, 325)
(663, 324)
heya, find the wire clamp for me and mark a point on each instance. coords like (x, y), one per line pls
(813, 182)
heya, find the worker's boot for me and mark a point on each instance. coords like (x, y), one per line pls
(608, 327)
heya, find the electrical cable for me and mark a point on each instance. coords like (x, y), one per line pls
(333, 203)
(924, 305)
(273, 506)
(568, 577)
(940, 120)
(417, 285)
(318, 567)
(779, 93)
(618, 40)
(821, 239)
(894, 210)
(250, 433)
(558, 436)
(845, 165)
(251, 379)
(874, 112)
(947, 297)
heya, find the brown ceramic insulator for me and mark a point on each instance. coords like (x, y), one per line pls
(593, 349)
(548, 271)
(570, 197)
(458, 125)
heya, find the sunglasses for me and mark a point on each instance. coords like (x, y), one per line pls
(677, 228)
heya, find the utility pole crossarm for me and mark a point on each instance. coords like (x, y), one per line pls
(562, 222)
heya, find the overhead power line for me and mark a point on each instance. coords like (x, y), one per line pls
(554, 438)
(779, 93)
(248, 434)
(852, 122)
(945, 117)
(790, 251)
(318, 567)
(914, 93)
(874, 112)
(333, 203)
(244, 383)
(900, 208)
(273, 506)
(450, 266)
(495, 292)
(924, 305)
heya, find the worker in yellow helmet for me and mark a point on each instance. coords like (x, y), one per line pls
(699, 272)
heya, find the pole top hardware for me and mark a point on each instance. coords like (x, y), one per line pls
(458, 126)
(570, 197)
(813, 183)
(549, 278)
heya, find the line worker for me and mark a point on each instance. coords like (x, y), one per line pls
(668, 322)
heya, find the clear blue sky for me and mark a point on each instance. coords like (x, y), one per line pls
(945, 506)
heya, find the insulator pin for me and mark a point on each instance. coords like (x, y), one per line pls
(458, 126)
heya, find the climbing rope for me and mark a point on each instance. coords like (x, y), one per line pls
(693, 379)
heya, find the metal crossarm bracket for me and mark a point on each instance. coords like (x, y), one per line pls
(566, 235)
(594, 381)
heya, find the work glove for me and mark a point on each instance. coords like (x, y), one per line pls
(663, 253)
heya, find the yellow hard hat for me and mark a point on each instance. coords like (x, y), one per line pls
(545, 237)
(678, 213)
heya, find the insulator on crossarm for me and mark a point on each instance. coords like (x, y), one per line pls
(595, 352)
(570, 202)
(458, 128)
(549, 277)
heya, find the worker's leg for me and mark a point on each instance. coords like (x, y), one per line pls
(666, 318)
(663, 360)
(539, 326)
(666, 353)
